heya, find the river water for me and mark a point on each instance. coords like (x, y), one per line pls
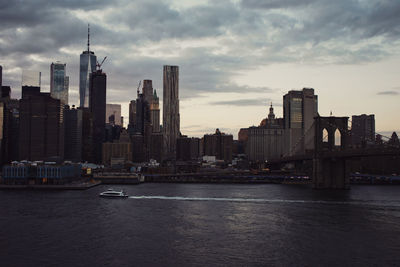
(202, 225)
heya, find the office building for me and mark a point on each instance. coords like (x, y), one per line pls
(267, 141)
(1, 76)
(155, 113)
(113, 114)
(73, 134)
(87, 135)
(88, 62)
(132, 116)
(187, 148)
(219, 145)
(171, 118)
(299, 110)
(97, 106)
(41, 128)
(362, 130)
(59, 82)
(121, 150)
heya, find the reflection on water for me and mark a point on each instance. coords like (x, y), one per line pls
(202, 224)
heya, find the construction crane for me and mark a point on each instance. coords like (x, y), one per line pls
(98, 65)
(138, 88)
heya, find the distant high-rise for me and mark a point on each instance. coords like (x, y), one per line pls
(171, 118)
(299, 110)
(362, 130)
(155, 113)
(97, 106)
(41, 128)
(73, 134)
(1, 76)
(113, 114)
(132, 116)
(59, 82)
(87, 66)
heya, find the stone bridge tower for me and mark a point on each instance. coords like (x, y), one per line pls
(329, 167)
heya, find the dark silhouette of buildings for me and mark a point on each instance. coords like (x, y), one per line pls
(219, 145)
(187, 148)
(73, 134)
(87, 135)
(132, 116)
(362, 130)
(97, 106)
(41, 131)
(171, 118)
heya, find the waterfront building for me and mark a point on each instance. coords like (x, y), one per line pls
(97, 106)
(113, 114)
(299, 109)
(59, 82)
(187, 148)
(88, 62)
(267, 141)
(219, 145)
(171, 117)
(120, 149)
(156, 146)
(1, 76)
(362, 130)
(73, 134)
(41, 128)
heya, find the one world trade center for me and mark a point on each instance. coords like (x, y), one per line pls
(87, 66)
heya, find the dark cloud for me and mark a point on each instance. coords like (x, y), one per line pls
(211, 43)
(388, 93)
(272, 4)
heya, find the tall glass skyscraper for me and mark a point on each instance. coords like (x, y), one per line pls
(59, 82)
(87, 66)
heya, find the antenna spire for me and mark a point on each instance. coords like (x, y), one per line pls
(88, 37)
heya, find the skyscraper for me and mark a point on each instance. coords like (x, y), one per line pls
(155, 113)
(299, 110)
(41, 128)
(87, 66)
(1, 76)
(59, 82)
(171, 118)
(97, 106)
(362, 129)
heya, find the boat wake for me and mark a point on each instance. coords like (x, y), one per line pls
(262, 200)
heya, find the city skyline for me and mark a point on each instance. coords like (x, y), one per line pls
(233, 55)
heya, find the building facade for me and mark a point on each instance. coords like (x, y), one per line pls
(97, 106)
(267, 141)
(362, 130)
(73, 134)
(59, 82)
(41, 128)
(88, 62)
(171, 117)
(299, 109)
(219, 145)
(113, 114)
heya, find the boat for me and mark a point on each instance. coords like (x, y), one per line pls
(111, 193)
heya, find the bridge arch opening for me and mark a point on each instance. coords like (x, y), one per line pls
(338, 138)
(325, 135)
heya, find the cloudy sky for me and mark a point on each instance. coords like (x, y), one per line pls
(235, 57)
